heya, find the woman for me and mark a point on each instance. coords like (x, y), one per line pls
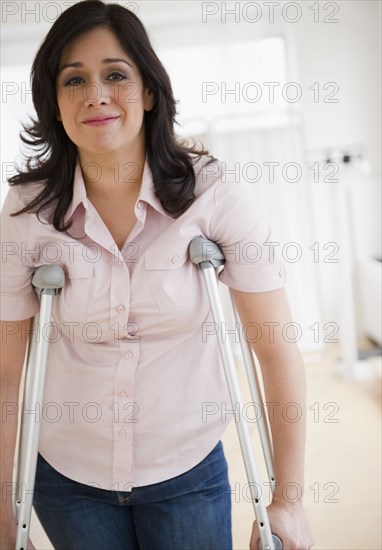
(128, 456)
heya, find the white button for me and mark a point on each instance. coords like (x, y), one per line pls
(122, 432)
(139, 204)
(129, 355)
(129, 337)
(123, 394)
(281, 272)
(121, 309)
(175, 259)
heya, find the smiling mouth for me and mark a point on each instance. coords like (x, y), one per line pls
(100, 121)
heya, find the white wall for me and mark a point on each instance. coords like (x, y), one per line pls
(347, 53)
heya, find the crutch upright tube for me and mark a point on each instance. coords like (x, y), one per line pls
(47, 280)
(208, 256)
(254, 385)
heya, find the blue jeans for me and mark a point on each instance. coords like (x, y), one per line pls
(189, 512)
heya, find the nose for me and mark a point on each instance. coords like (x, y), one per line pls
(96, 95)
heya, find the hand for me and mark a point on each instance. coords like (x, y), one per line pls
(289, 523)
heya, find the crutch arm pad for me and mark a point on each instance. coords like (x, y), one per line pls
(48, 277)
(205, 253)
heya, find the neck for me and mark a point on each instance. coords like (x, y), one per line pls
(112, 174)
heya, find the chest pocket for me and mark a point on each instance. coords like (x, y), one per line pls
(171, 276)
(73, 302)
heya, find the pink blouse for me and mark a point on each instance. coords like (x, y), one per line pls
(135, 391)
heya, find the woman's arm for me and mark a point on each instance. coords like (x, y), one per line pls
(14, 338)
(264, 316)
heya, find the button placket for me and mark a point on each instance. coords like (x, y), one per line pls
(119, 298)
(123, 430)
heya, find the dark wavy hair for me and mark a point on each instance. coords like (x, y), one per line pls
(54, 154)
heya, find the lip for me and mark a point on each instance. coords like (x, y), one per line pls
(100, 121)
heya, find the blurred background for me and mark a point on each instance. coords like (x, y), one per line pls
(287, 94)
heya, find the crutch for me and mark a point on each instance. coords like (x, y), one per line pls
(208, 256)
(46, 280)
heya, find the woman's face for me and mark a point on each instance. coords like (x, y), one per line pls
(100, 95)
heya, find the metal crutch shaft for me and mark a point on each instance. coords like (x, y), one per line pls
(208, 256)
(254, 385)
(47, 280)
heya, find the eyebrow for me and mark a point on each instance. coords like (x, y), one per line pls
(106, 61)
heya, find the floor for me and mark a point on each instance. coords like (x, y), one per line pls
(343, 460)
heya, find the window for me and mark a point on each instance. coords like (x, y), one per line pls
(212, 81)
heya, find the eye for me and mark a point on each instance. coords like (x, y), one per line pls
(116, 76)
(74, 81)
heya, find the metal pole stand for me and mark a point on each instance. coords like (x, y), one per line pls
(47, 280)
(208, 256)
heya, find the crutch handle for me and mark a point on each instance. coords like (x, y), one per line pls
(278, 545)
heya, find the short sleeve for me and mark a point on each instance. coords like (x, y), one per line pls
(18, 256)
(253, 262)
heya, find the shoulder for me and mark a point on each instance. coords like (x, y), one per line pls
(209, 172)
(21, 195)
(24, 193)
(223, 181)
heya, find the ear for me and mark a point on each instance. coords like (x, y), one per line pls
(148, 99)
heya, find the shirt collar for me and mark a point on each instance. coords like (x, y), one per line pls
(146, 194)
(147, 191)
(79, 192)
